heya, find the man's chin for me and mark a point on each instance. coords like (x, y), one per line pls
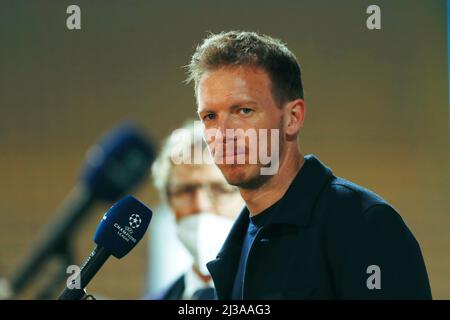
(233, 173)
(243, 176)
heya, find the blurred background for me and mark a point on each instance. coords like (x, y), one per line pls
(378, 111)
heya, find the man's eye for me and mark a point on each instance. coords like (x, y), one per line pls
(245, 110)
(209, 116)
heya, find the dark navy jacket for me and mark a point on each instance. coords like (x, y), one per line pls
(322, 242)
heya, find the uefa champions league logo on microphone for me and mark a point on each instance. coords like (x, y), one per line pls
(135, 221)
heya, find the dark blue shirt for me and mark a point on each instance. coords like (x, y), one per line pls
(254, 225)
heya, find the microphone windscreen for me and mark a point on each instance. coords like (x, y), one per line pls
(118, 162)
(123, 226)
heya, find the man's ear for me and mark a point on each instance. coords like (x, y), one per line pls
(294, 116)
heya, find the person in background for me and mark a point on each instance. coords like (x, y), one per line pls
(204, 205)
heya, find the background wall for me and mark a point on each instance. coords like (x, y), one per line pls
(377, 105)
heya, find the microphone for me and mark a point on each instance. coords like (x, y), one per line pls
(116, 164)
(120, 229)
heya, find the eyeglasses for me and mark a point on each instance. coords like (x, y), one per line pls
(216, 191)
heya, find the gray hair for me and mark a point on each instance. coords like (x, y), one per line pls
(161, 169)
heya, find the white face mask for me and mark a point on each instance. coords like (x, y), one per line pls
(203, 235)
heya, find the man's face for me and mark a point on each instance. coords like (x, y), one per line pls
(194, 189)
(238, 97)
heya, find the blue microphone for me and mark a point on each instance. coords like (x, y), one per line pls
(120, 229)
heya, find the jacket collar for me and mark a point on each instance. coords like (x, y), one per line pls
(297, 204)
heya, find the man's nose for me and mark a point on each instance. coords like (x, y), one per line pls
(201, 201)
(226, 129)
(223, 126)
